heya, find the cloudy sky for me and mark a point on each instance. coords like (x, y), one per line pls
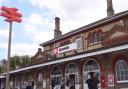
(38, 21)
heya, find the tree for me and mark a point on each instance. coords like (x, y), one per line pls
(3, 65)
(25, 61)
(15, 63)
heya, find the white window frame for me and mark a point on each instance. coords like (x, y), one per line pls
(85, 72)
(79, 43)
(53, 75)
(121, 81)
(74, 71)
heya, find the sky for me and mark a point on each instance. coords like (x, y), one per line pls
(37, 24)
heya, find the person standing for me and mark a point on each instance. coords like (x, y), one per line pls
(92, 81)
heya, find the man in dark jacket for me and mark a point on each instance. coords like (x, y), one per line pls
(92, 81)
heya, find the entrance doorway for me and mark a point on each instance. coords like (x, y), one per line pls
(72, 81)
(90, 66)
(71, 77)
(56, 77)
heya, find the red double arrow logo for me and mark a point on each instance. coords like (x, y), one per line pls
(10, 14)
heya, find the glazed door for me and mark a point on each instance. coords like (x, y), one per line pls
(72, 81)
(90, 65)
(85, 85)
(57, 83)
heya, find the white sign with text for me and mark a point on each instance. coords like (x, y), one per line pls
(67, 48)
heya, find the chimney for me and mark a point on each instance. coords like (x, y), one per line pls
(57, 32)
(110, 10)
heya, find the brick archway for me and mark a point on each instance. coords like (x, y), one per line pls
(97, 69)
(116, 58)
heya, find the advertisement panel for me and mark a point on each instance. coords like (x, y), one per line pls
(110, 80)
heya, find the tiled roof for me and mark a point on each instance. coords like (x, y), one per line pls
(86, 27)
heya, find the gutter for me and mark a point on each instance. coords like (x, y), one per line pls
(77, 57)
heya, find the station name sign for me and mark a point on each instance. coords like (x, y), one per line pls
(75, 45)
(67, 48)
(64, 48)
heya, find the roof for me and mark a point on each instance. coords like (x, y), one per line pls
(76, 57)
(86, 27)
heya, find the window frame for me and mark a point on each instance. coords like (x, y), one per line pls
(126, 23)
(95, 37)
(74, 70)
(116, 67)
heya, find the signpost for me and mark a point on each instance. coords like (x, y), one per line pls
(11, 15)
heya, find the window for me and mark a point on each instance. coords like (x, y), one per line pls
(56, 76)
(95, 37)
(126, 23)
(71, 69)
(56, 71)
(40, 77)
(17, 83)
(79, 43)
(40, 81)
(99, 36)
(91, 38)
(89, 66)
(121, 70)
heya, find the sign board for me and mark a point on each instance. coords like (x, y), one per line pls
(55, 51)
(67, 48)
(76, 45)
(103, 81)
(110, 80)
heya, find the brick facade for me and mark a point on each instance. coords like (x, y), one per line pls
(114, 34)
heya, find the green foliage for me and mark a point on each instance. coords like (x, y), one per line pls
(1, 70)
(3, 63)
(25, 61)
(16, 62)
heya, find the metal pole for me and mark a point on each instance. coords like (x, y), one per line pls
(8, 56)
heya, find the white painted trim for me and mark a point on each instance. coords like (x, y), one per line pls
(118, 48)
(123, 81)
(2, 76)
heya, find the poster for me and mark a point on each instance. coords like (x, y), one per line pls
(110, 80)
(103, 82)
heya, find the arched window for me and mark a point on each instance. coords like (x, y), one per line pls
(71, 74)
(121, 71)
(71, 68)
(89, 66)
(56, 71)
(56, 77)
